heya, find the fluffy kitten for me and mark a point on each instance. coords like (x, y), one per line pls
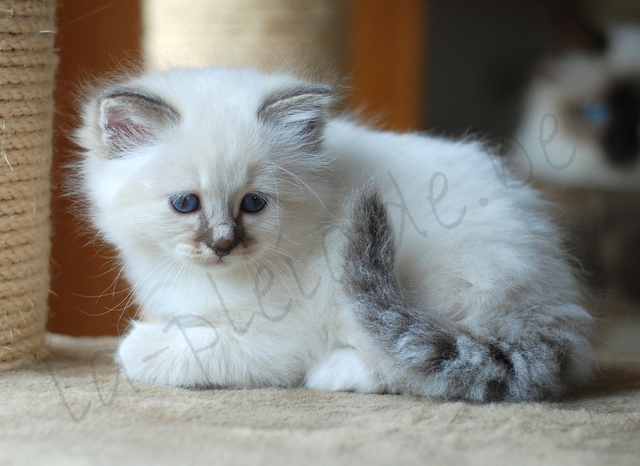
(270, 245)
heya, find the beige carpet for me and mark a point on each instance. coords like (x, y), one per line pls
(75, 409)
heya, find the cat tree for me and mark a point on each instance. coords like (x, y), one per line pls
(27, 71)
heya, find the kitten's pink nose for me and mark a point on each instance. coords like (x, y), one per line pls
(222, 247)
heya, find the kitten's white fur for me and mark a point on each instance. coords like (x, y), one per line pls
(470, 247)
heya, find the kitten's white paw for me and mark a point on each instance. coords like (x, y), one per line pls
(151, 353)
(137, 351)
(343, 370)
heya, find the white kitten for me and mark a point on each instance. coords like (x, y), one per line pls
(259, 259)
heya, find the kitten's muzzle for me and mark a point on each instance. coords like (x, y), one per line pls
(223, 238)
(223, 247)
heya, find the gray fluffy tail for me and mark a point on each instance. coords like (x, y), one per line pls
(514, 359)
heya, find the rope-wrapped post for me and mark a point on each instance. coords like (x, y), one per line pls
(300, 35)
(27, 72)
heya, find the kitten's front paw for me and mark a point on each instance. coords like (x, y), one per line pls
(154, 354)
(139, 354)
(343, 370)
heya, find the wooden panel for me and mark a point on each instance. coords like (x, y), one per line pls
(387, 61)
(94, 37)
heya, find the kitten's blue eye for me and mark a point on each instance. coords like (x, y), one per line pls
(596, 113)
(185, 203)
(253, 203)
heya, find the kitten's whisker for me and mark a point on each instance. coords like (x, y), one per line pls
(144, 279)
(284, 253)
(168, 272)
(275, 186)
(281, 272)
(279, 167)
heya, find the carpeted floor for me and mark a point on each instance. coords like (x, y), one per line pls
(74, 410)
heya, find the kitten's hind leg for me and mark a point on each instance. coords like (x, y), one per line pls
(514, 358)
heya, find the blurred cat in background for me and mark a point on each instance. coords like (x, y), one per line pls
(579, 139)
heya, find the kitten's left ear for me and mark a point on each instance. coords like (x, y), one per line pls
(130, 118)
(299, 111)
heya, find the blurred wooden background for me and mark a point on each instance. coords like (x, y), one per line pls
(94, 38)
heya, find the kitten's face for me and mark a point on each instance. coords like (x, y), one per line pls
(210, 209)
(209, 180)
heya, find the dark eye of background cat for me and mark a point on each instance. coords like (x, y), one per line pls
(185, 203)
(253, 203)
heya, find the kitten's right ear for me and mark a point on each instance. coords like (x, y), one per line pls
(299, 111)
(129, 118)
(576, 30)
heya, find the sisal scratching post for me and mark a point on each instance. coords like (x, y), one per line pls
(27, 69)
(298, 35)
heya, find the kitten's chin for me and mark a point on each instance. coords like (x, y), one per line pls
(213, 262)
(204, 257)
(239, 258)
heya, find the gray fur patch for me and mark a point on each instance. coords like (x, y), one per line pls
(382, 305)
(509, 360)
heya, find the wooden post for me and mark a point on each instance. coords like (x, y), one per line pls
(387, 61)
(307, 36)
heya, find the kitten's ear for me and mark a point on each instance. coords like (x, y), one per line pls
(576, 30)
(299, 111)
(130, 118)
